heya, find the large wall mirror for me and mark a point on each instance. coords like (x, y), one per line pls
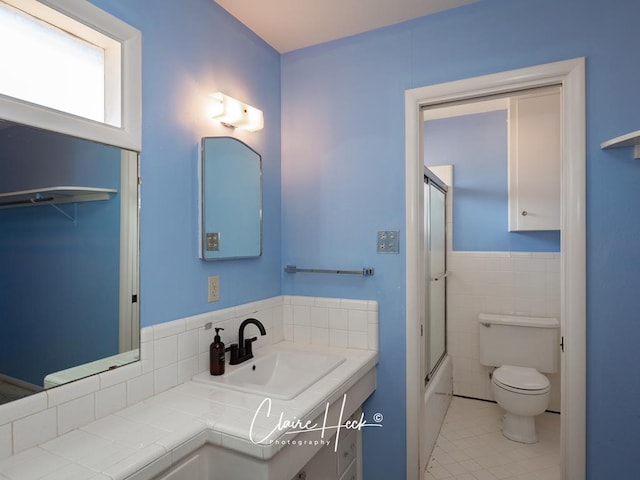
(69, 259)
(230, 199)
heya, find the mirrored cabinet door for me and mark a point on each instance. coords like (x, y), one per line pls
(230, 199)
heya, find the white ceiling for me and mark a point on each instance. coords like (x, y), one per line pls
(287, 25)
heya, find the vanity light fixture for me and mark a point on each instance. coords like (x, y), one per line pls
(233, 113)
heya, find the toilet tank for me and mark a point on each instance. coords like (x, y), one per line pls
(521, 341)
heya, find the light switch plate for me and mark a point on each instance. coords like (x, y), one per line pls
(388, 241)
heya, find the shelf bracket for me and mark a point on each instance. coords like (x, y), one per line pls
(38, 199)
(62, 212)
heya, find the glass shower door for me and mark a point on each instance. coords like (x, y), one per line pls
(435, 276)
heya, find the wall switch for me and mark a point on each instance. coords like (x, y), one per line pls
(388, 241)
(213, 288)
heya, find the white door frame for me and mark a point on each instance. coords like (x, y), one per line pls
(571, 75)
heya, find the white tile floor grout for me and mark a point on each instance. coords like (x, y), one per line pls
(471, 446)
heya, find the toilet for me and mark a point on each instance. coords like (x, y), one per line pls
(522, 348)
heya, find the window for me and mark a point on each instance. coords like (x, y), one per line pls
(72, 68)
(48, 66)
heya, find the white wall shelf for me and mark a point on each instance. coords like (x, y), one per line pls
(53, 196)
(629, 140)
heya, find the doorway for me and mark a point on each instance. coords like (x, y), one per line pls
(570, 75)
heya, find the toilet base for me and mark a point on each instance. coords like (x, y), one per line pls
(519, 429)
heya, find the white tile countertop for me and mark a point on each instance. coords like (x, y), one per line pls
(144, 439)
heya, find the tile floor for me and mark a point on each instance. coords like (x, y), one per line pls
(471, 446)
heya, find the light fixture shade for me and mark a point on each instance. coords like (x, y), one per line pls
(233, 113)
(255, 119)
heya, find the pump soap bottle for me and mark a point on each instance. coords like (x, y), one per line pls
(216, 355)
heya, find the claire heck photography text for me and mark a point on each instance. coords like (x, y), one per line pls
(294, 426)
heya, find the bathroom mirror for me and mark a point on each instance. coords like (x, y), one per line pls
(69, 259)
(230, 199)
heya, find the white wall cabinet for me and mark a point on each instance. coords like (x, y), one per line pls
(535, 152)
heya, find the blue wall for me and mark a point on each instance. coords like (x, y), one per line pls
(476, 146)
(191, 48)
(343, 179)
(342, 174)
(59, 278)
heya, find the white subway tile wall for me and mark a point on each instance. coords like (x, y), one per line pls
(331, 322)
(171, 353)
(495, 282)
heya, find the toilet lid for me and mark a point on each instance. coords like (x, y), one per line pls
(521, 378)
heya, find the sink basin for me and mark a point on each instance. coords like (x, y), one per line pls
(282, 374)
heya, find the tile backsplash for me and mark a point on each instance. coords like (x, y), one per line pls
(331, 322)
(495, 282)
(172, 352)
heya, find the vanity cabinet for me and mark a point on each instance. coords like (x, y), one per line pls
(199, 459)
(535, 152)
(193, 468)
(342, 464)
(291, 435)
(211, 463)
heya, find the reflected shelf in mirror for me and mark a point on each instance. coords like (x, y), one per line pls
(53, 196)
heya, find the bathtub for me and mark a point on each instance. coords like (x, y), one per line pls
(436, 401)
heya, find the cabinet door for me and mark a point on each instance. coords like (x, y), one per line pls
(190, 469)
(535, 152)
(321, 467)
(351, 473)
(347, 451)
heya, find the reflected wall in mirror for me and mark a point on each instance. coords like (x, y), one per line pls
(230, 199)
(69, 259)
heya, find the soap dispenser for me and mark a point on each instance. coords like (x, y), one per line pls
(216, 355)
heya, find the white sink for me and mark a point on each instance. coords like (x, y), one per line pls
(283, 374)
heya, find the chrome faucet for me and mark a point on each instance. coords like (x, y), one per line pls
(242, 351)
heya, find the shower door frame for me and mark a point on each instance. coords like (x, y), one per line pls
(432, 179)
(571, 75)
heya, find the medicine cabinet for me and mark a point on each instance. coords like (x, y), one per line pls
(230, 199)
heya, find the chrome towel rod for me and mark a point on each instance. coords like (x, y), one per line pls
(365, 272)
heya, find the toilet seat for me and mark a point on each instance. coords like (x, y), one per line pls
(522, 380)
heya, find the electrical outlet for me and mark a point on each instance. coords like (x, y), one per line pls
(213, 288)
